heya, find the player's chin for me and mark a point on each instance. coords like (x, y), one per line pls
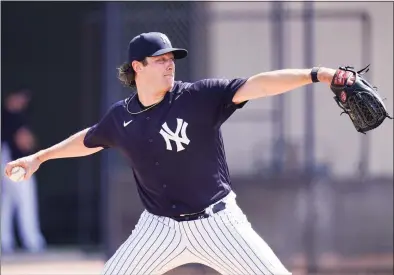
(169, 81)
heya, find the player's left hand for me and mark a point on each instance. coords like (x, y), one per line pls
(358, 98)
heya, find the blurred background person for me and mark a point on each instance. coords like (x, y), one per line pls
(18, 199)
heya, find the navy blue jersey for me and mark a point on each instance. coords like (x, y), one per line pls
(175, 149)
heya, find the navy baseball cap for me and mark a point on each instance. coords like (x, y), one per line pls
(152, 44)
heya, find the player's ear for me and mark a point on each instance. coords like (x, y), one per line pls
(137, 66)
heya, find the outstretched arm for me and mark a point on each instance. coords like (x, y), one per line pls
(69, 148)
(278, 82)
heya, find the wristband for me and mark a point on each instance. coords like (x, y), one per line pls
(314, 74)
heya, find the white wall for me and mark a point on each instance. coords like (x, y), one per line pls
(244, 48)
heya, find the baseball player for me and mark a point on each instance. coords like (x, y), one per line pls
(170, 133)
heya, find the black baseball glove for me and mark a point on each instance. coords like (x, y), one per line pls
(359, 99)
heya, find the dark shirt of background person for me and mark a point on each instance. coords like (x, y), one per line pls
(15, 131)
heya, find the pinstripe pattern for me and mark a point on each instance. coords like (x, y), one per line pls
(152, 243)
(202, 250)
(244, 253)
(257, 247)
(225, 242)
(110, 266)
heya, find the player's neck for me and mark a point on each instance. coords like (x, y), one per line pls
(149, 95)
(148, 98)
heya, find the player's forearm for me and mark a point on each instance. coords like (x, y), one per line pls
(278, 82)
(68, 148)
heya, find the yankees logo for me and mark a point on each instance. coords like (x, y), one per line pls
(169, 135)
(165, 39)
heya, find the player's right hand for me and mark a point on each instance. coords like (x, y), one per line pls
(29, 163)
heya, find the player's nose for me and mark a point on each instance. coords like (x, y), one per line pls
(171, 66)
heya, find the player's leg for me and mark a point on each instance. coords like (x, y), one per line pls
(155, 246)
(227, 243)
(253, 253)
(204, 250)
(27, 215)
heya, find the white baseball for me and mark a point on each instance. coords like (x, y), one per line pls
(17, 173)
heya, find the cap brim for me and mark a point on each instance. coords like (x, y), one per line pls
(178, 53)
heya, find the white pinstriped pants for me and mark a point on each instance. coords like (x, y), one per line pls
(225, 242)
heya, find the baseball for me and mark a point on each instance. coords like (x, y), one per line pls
(17, 173)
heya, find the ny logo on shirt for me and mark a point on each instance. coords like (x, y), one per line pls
(169, 135)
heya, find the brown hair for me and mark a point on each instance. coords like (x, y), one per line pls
(126, 74)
